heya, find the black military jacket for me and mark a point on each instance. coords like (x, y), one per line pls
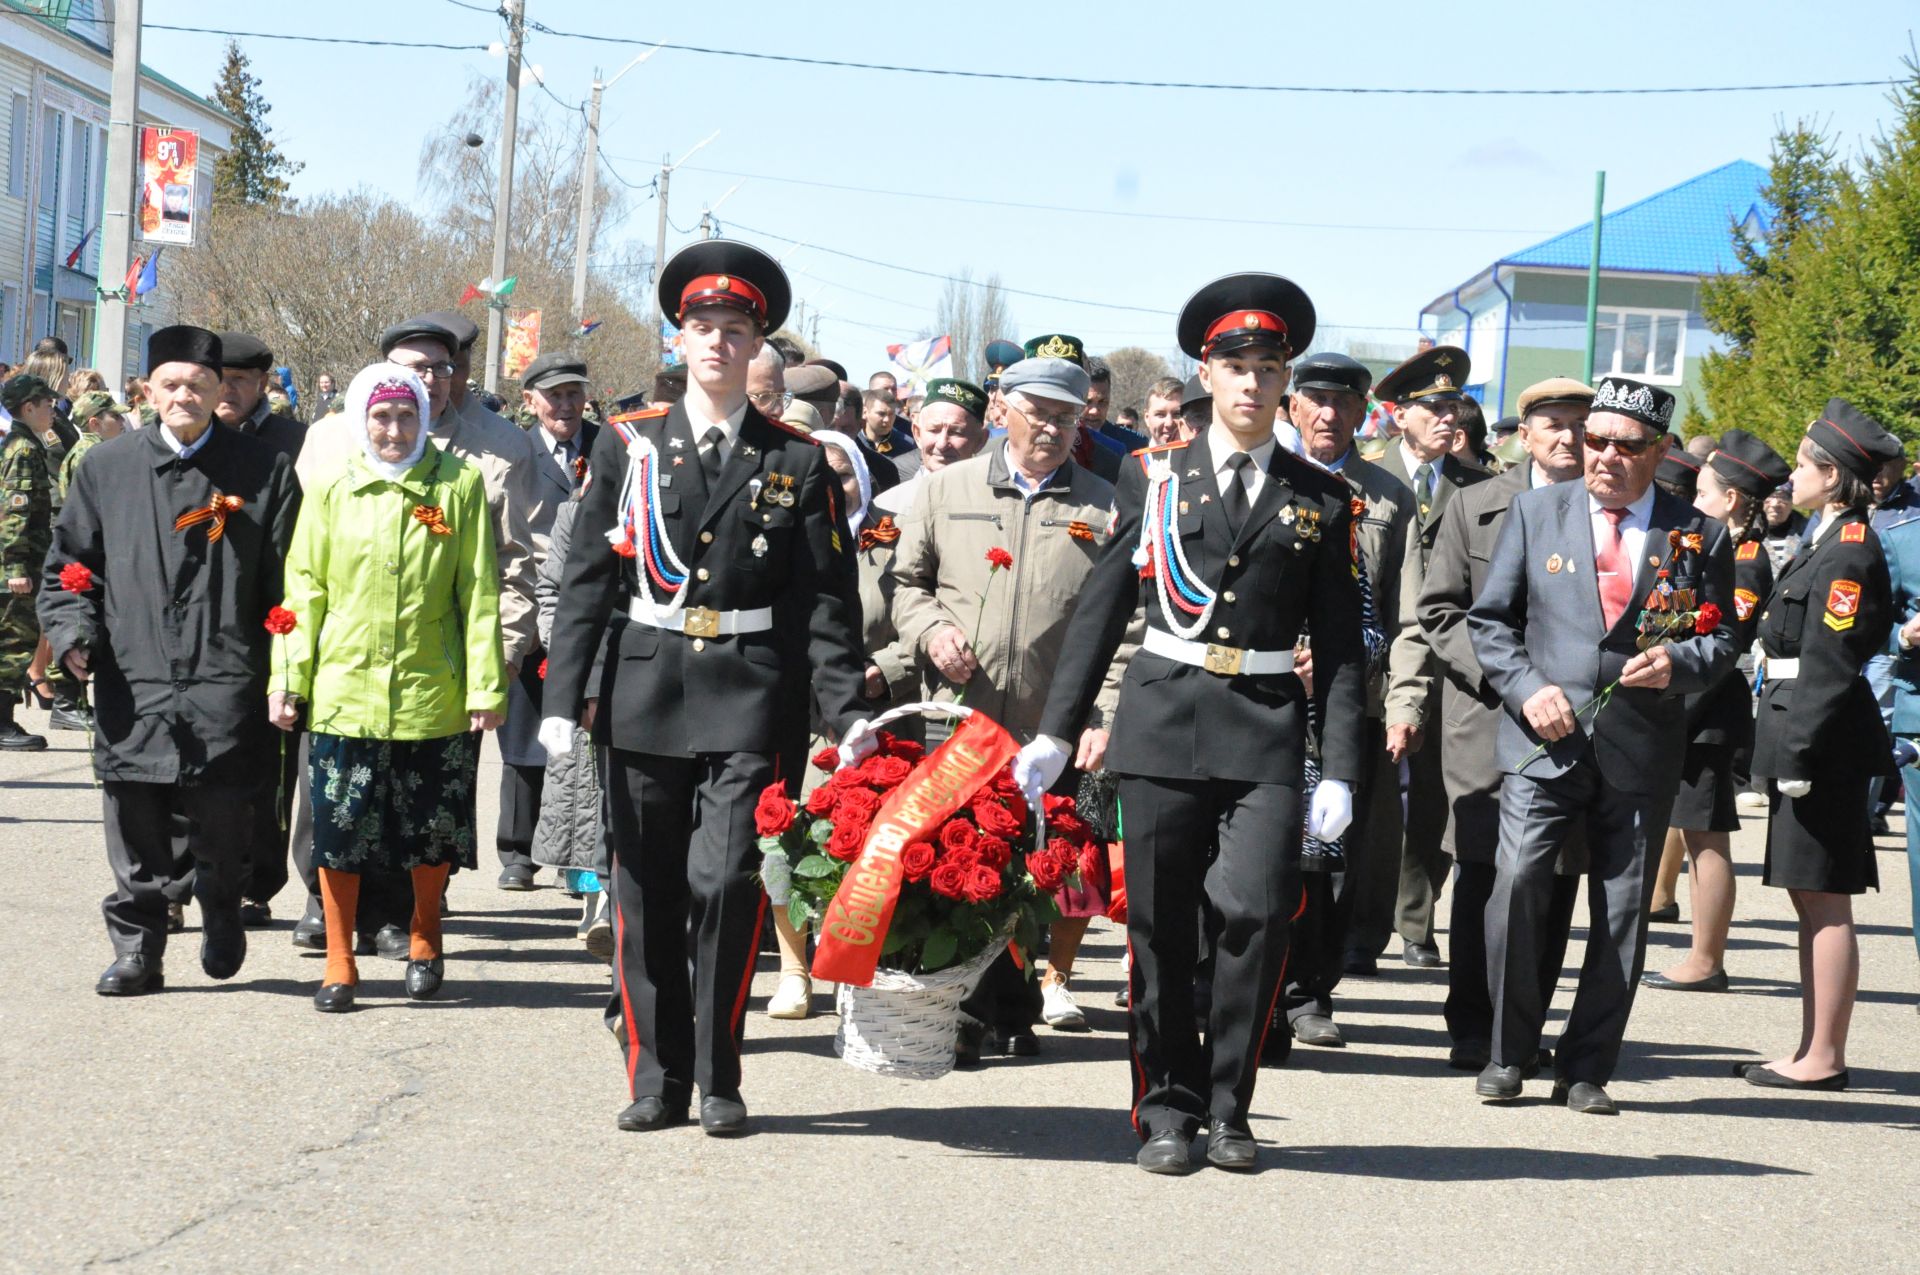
(1723, 713)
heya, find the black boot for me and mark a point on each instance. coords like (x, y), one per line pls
(70, 714)
(12, 737)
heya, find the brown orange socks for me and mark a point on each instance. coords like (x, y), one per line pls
(340, 900)
(429, 884)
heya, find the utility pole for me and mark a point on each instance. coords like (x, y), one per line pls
(116, 219)
(589, 177)
(1593, 270)
(515, 13)
(667, 165)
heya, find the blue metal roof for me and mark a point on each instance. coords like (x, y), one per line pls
(1682, 230)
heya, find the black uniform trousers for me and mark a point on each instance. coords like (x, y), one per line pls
(266, 872)
(138, 820)
(1625, 832)
(1317, 945)
(684, 853)
(1232, 848)
(1469, 1006)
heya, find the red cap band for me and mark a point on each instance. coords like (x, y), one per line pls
(1244, 321)
(724, 289)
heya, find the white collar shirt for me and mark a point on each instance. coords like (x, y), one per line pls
(729, 431)
(186, 450)
(1223, 445)
(1633, 527)
(1413, 464)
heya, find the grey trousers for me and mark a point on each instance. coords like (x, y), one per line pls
(139, 820)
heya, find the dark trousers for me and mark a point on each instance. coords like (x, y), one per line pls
(1317, 945)
(139, 820)
(386, 898)
(1233, 849)
(683, 846)
(521, 788)
(1469, 1007)
(1424, 861)
(1625, 832)
(266, 871)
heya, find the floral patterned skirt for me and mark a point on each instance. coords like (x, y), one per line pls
(389, 805)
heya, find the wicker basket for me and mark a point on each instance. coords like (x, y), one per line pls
(904, 1024)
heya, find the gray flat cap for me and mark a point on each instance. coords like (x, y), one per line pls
(1056, 379)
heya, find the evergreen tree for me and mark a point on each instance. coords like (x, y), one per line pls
(252, 171)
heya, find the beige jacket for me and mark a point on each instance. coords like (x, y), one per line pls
(1388, 534)
(940, 574)
(883, 647)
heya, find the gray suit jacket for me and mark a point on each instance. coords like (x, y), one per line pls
(1535, 626)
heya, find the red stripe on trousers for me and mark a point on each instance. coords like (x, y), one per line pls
(626, 1002)
(746, 981)
(1280, 983)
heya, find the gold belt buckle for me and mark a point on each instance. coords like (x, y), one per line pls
(1224, 660)
(702, 622)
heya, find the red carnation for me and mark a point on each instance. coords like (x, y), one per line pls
(820, 800)
(994, 851)
(907, 751)
(774, 813)
(994, 817)
(827, 759)
(279, 620)
(543, 669)
(949, 880)
(76, 578)
(1707, 619)
(957, 834)
(999, 559)
(1048, 869)
(885, 772)
(983, 884)
(916, 861)
(845, 842)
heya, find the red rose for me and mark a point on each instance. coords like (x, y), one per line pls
(1002, 783)
(1057, 806)
(968, 858)
(1093, 859)
(842, 780)
(994, 851)
(949, 880)
(1047, 869)
(774, 813)
(994, 817)
(856, 805)
(75, 577)
(907, 751)
(543, 669)
(1017, 807)
(983, 884)
(1708, 618)
(916, 861)
(845, 842)
(885, 772)
(885, 739)
(957, 834)
(999, 559)
(827, 759)
(1069, 828)
(279, 619)
(820, 800)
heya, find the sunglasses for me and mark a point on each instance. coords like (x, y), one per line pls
(1625, 446)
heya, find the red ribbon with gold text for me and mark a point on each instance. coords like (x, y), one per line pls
(214, 511)
(855, 925)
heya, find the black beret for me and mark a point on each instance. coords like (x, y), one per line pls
(1431, 374)
(555, 368)
(183, 343)
(1853, 438)
(1743, 461)
(409, 329)
(244, 350)
(1330, 371)
(1251, 309)
(465, 331)
(1679, 468)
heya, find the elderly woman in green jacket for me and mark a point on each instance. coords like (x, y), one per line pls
(390, 641)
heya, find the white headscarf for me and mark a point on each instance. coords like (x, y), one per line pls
(365, 382)
(856, 518)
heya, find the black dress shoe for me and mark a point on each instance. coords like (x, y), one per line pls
(131, 976)
(423, 978)
(1124, 997)
(223, 947)
(1498, 1084)
(1584, 1097)
(969, 1038)
(1469, 1057)
(516, 876)
(1360, 964)
(69, 715)
(255, 915)
(1767, 1078)
(722, 1117)
(650, 1113)
(14, 738)
(310, 931)
(334, 998)
(1170, 1152)
(1232, 1149)
(1021, 1045)
(1713, 982)
(1318, 1029)
(1666, 915)
(393, 943)
(1422, 956)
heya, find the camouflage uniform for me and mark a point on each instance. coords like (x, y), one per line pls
(26, 529)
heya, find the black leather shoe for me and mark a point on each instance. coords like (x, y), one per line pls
(131, 976)
(1422, 956)
(14, 738)
(334, 998)
(516, 876)
(1232, 1149)
(1498, 1084)
(1584, 1097)
(1469, 1057)
(255, 915)
(1664, 916)
(69, 714)
(722, 1117)
(1360, 964)
(424, 977)
(223, 947)
(1278, 1046)
(1318, 1029)
(393, 943)
(310, 931)
(1124, 997)
(1022, 1045)
(650, 1113)
(1767, 1078)
(1714, 982)
(968, 1040)
(1168, 1153)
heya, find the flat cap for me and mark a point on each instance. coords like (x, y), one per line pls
(419, 327)
(1505, 426)
(465, 331)
(245, 350)
(1330, 371)
(1555, 389)
(1434, 374)
(556, 368)
(1057, 379)
(184, 343)
(839, 371)
(803, 416)
(812, 378)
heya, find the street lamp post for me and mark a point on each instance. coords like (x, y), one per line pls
(515, 13)
(589, 175)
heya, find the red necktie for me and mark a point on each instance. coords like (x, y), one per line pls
(1615, 572)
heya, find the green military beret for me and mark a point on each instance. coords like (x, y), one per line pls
(964, 393)
(1057, 345)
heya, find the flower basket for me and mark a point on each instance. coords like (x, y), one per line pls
(915, 871)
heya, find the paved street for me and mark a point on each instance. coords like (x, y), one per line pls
(229, 1126)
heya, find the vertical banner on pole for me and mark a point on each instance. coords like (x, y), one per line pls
(522, 344)
(169, 172)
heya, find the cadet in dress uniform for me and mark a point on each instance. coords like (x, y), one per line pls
(1819, 736)
(1237, 546)
(1730, 486)
(708, 555)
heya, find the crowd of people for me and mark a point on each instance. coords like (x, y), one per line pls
(1314, 680)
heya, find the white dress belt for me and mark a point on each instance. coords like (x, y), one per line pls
(1227, 661)
(700, 622)
(1779, 670)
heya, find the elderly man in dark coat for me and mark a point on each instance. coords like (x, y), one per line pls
(165, 563)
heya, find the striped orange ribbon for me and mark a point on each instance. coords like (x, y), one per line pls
(433, 518)
(214, 511)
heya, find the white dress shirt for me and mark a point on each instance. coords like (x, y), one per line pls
(558, 449)
(730, 431)
(1633, 528)
(184, 450)
(1413, 464)
(1254, 476)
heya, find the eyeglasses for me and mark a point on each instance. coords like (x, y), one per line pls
(770, 401)
(434, 371)
(1628, 447)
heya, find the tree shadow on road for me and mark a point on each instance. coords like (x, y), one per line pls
(1079, 1134)
(1841, 1109)
(1511, 1164)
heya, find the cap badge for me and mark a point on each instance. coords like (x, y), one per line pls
(1055, 348)
(1444, 360)
(1251, 321)
(1443, 382)
(724, 283)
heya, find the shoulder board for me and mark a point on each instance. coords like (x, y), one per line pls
(1748, 551)
(1854, 533)
(621, 418)
(1164, 447)
(789, 430)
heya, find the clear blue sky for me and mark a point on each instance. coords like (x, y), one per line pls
(1455, 181)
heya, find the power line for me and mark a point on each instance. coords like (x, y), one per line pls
(311, 39)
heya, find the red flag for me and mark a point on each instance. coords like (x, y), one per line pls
(468, 295)
(133, 273)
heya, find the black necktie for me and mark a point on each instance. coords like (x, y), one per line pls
(710, 455)
(1234, 499)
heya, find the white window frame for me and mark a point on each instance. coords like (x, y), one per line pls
(19, 156)
(1617, 316)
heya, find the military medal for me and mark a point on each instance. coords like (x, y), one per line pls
(759, 546)
(1553, 565)
(1285, 516)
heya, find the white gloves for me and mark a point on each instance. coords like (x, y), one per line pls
(556, 736)
(1037, 767)
(859, 744)
(1795, 788)
(1331, 811)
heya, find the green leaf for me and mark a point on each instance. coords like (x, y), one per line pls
(798, 913)
(820, 833)
(939, 951)
(814, 866)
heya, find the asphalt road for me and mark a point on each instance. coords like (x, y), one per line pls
(230, 1127)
